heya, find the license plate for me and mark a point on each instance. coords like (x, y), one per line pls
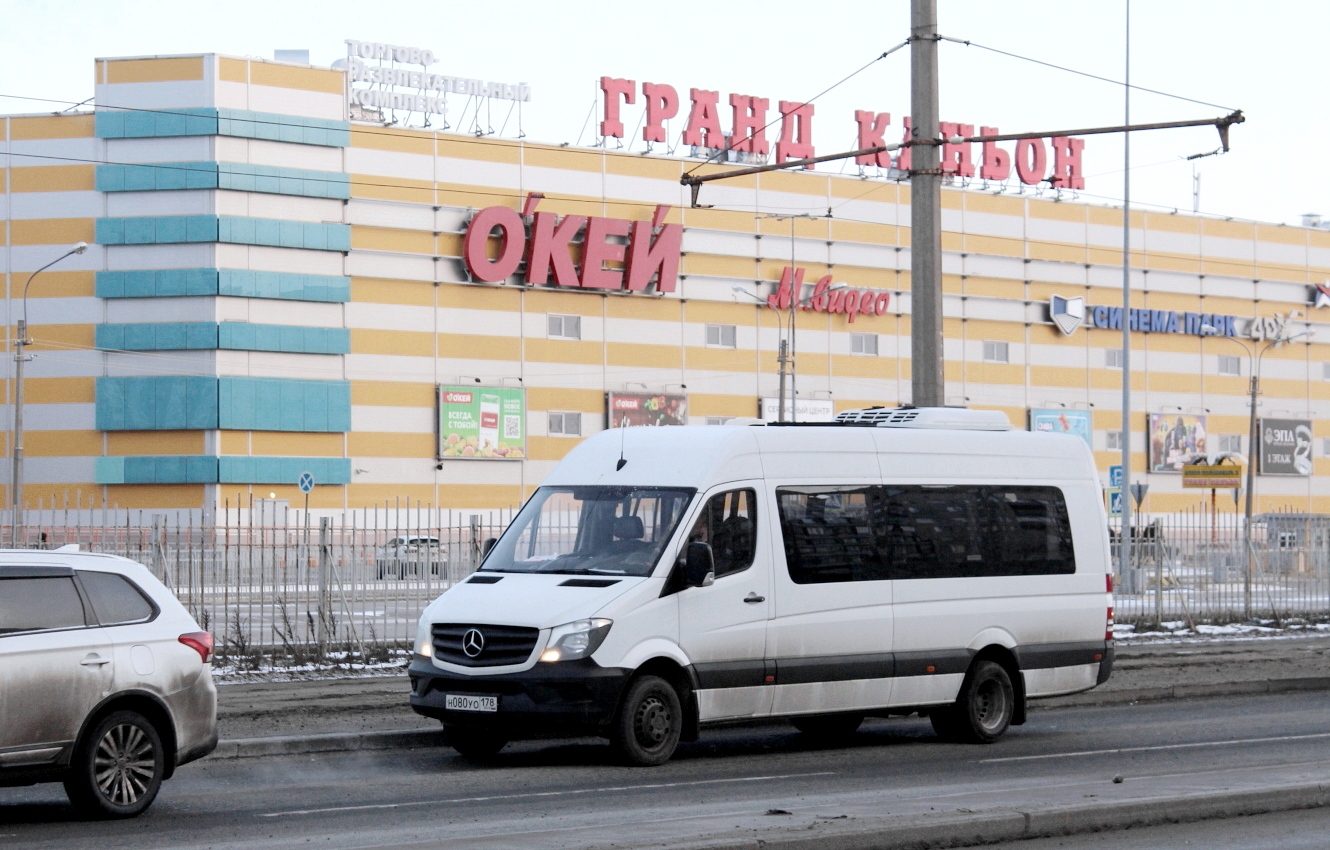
(470, 702)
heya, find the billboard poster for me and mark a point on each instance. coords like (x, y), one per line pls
(1059, 421)
(1175, 438)
(482, 422)
(627, 409)
(808, 410)
(1286, 447)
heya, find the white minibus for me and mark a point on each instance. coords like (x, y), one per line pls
(928, 561)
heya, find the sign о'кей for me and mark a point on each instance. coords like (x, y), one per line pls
(1164, 321)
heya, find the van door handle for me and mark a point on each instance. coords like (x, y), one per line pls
(754, 598)
(94, 661)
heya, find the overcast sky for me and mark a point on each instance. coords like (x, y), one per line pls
(1265, 59)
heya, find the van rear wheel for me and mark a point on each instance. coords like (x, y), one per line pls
(983, 710)
(649, 724)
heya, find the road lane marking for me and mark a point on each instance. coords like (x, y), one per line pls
(1159, 747)
(571, 792)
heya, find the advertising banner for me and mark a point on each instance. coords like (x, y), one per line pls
(482, 422)
(1286, 447)
(627, 409)
(808, 410)
(1217, 477)
(1059, 421)
(1175, 438)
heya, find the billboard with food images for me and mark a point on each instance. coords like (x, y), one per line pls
(625, 409)
(482, 422)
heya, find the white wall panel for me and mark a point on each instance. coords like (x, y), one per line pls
(293, 260)
(160, 310)
(393, 266)
(389, 163)
(646, 190)
(267, 311)
(160, 95)
(165, 149)
(55, 204)
(31, 153)
(388, 214)
(59, 417)
(310, 104)
(397, 317)
(129, 204)
(137, 364)
(183, 256)
(283, 207)
(270, 364)
(394, 420)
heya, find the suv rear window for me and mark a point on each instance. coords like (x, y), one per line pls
(115, 599)
(36, 604)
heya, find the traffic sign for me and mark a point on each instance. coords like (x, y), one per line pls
(1138, 492)
(1114, 501)
(306, 482)
(1115, 475)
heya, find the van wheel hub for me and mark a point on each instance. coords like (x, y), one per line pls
(653, 721)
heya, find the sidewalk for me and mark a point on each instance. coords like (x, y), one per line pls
(341, 714)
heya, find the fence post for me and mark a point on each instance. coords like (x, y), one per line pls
(475, 541)
(325, 559)
(158, 551)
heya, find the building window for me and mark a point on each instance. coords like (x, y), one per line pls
(721, 336)
(1325, 371)
(1325, 447)
(565, 327)
(565, 424)
(1230, 443)
(718, 420)
(1230, 364)
(1113, 358)
(863, 344)
(996, 352)
(1114, 441)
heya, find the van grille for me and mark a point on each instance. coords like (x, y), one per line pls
(500, 645)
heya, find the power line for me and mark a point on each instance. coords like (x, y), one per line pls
(967, 43)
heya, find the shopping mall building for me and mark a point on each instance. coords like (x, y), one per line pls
(280, 282)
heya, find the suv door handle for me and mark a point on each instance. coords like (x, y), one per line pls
(93, 660)
(753, 598)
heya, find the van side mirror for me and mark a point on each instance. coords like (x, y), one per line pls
(487, 546)
(699, 568)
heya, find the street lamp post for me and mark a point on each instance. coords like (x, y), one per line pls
(22, 341)
(1254, 354)
(785, 345)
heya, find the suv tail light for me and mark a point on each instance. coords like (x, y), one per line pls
(200, 642)
(1108, 627)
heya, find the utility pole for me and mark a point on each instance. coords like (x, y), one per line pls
(926, 377)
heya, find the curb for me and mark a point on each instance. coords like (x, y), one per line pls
(968, 830)
(334, 742)
(293, 745)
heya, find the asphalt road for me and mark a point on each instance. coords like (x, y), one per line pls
(731, 788)
(1304, 829)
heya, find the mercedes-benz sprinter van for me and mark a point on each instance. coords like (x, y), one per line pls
(927, 561)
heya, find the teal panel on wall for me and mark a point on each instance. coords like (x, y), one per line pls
(207, 121)
(283, 404)
(159, 176)
(156, 283)
(108, 470)
(156, 403)
(156, 230)
(284, 470)
(238, 230)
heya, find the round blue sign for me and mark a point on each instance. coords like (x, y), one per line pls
(306, 482)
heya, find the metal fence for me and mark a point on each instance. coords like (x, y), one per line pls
(279, 586)
(1198, 566)
(284, 587)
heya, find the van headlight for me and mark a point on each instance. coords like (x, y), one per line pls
(424, 639)
(576, 640)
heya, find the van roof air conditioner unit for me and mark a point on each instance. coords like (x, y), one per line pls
(941, 418)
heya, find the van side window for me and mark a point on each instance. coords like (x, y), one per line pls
(920, 532)
(828, 534)
(729, 523)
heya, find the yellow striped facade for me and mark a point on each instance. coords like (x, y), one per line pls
(416, 321)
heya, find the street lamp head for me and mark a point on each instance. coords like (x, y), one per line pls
(79, 248)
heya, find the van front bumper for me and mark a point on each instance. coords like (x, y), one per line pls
(567, 697)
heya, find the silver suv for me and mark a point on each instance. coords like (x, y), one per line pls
(105, 679)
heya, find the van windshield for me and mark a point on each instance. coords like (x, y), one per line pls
(590, 531)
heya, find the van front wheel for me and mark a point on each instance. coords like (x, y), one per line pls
(649, 724)
(983, 710)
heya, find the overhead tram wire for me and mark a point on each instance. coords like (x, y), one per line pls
(827, 90)
(1119, 83)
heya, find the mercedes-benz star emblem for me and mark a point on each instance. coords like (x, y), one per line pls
(473, 643)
